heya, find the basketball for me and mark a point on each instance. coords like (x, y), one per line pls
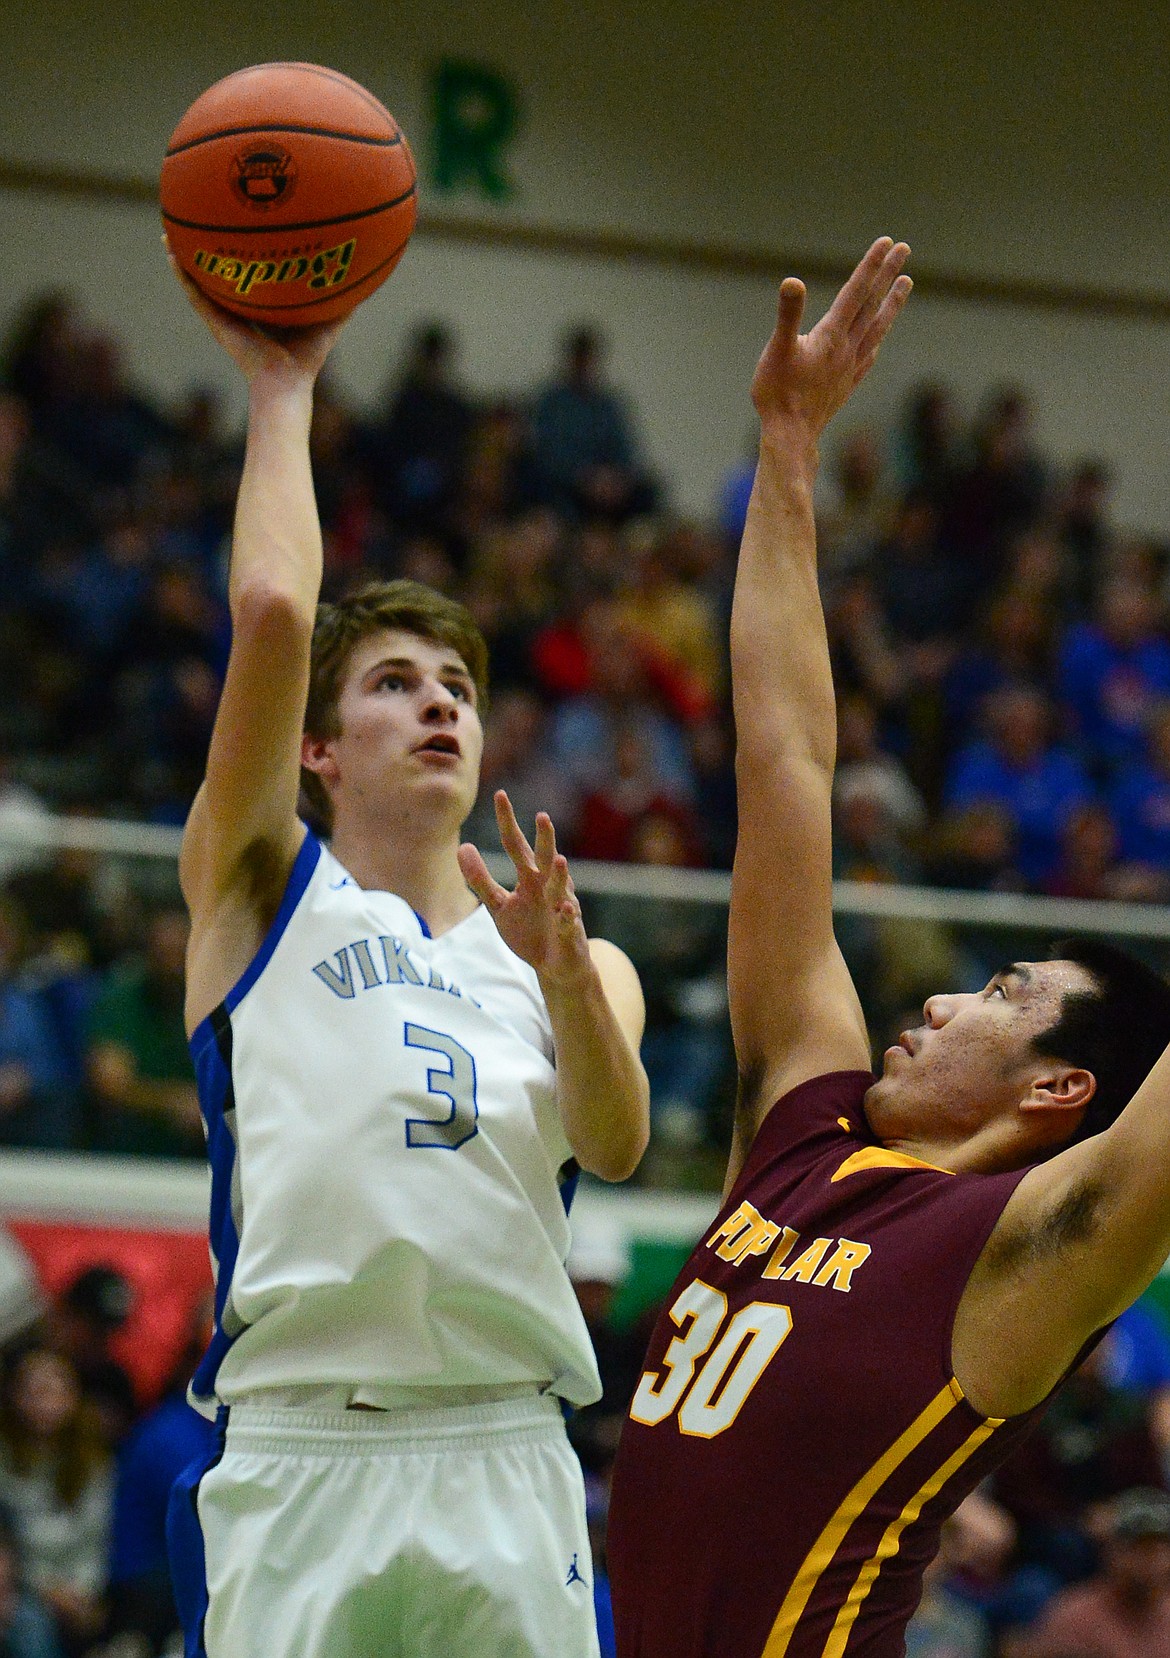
(288, 193)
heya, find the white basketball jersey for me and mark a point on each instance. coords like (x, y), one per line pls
(387, 1158)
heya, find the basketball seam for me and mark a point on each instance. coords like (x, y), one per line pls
(338, 78)
(301, 304)
(270, 229)
(311, 132)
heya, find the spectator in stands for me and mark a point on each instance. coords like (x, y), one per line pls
(674, 620)
(864, 767)
(139, 1067)
(1019, 767)
(516, 759)
(926, 457)
(1082, 525)
(104, 428)
(584, 458)
(354, 530)
(713, 760)
(1000, 494)
(735, 492)
(858, 517)
(610, 815)
(680, 950)
(1135, 1359)
(598, 1265)
(37, 1106)
(513, 590)
(620, 690)
(88, 596)
(79, 909)
(1095, 1442)
(167, 1440)
(55, 1480)
(1012, 646)
(418, 451)
(1123, 1611)
(22, 1300)
(923, 592)
(946, 1625)
(1087, 867)
(26, 1627)
(1114, 667)
(974, 847)
(82, 1324)
(36, 360)
(1140, 795)
(1091, 864)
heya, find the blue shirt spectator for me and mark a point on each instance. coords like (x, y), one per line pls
(1037, 782)
(1140, 797)
(35, 1098)
(1113, 667)
(1135, 1354)
(165, 1442)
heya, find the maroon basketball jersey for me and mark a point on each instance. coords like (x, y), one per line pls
(798, 1437)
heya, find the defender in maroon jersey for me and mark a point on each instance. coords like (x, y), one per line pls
(905, 1267)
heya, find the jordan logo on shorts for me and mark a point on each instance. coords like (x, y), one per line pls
(574, 1575)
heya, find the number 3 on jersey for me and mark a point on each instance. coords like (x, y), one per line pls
(454, 1082)
(745, 1349)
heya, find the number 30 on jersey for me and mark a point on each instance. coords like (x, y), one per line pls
(709, 1402)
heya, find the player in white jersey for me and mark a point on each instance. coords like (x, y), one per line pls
(401, 1065)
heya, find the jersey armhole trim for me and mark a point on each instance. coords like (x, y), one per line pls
(300, 875)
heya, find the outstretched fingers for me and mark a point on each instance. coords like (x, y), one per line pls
(479, 878)
(879, 292)
(512, 837)
(843, 312)
(880, 325)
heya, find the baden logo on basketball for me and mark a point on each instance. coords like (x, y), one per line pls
(264, 177)
(327, 269)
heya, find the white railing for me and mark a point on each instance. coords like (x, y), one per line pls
(697, 886)
(131, 1189)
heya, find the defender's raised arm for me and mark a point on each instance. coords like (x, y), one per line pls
(794, 1010)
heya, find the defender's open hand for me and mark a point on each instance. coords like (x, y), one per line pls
(541, 919)
(297, 354)
(803, 379)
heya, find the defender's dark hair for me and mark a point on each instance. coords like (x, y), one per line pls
(1116, 1031)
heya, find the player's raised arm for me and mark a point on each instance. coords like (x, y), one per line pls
(794, 1011)
(1083, 1235)
(242, 834)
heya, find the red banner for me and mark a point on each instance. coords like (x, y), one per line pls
(169, 1271)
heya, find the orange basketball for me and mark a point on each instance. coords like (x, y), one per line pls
(288, 193)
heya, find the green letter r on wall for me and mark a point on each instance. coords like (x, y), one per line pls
(475, 115)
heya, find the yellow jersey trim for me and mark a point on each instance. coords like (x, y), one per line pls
(892, 1539)
(851, 1508)
(877, 1157)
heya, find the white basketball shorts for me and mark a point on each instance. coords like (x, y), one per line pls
(450, 1533)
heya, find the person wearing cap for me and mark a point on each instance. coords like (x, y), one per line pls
(1124, 1610)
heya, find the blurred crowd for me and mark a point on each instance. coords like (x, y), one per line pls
(1001, 648)
(88, 1454)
